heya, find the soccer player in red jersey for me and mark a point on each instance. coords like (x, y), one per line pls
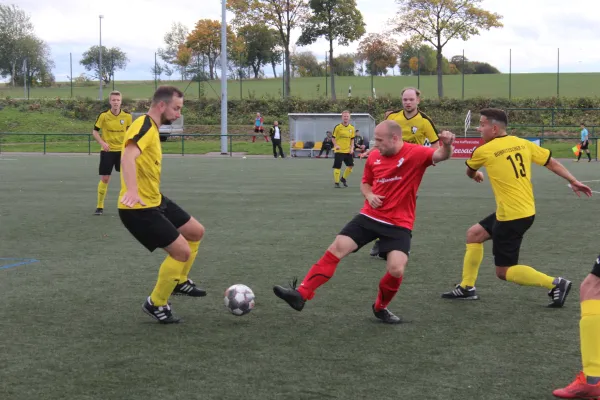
(392, 175)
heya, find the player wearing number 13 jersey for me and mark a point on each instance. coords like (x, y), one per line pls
(507, 160)
(392, 175)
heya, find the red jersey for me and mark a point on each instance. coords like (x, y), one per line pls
(397, 178)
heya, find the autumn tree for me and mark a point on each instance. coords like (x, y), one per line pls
(183, 59)
(336, 21)
(113, 59)
(344, 64)
(205, 40)
(282, 15)
(306, 64)
(260, 42)
(378, 52)
(174, 39)
(439, 21)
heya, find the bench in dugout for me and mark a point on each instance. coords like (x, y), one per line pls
(165, 130)
(309, 148)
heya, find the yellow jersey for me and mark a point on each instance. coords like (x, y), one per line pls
(507, 160)
(418, 129)
(144, 133)
(343, 135)
(113, 128)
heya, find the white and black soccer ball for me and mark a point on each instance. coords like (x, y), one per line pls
(239, 299)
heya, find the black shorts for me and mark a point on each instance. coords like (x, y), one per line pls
(108, 160)
(596, 268)
(364, 230)
(507, 237)
(585, 144)
(346, 158)
(155, 227)
(258, 129)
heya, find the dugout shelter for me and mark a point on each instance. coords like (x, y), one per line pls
(308, 130)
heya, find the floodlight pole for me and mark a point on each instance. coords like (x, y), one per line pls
(100, 60)
(224, 77)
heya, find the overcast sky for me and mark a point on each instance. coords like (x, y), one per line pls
(533, 29)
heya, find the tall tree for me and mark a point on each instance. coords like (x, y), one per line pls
(15, 26)
(38, 63)
(260, 42)
(439, 21)
(205, 40)
(344, 64)
(283, 15)
(113, 59)
(306, 64)
(378, 52)
(335, 20)
(175, 38)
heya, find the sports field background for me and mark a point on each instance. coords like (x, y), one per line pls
(73, 326)
(493, 86)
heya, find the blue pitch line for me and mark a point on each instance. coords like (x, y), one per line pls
(22, 261)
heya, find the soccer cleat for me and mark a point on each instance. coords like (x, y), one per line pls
(579, 389)
(343, 180)
(188, 288)
(559, 293)
(162, 314)
(375, 249)
(290, 295)
(461, 293)
(386, 316)
(99, 211)
(337, 186)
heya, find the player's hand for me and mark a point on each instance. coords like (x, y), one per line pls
(365, 154)
(337, 147)
(130, 199)
(447, 138)
(105, 146)
(478, 177)
(579, 187)
(375, 200)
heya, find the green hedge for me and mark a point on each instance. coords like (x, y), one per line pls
(444, 112)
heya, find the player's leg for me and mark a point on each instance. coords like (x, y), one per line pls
(281, 153)
(349, 162)
(153, 230)
(351, 238)
(508, 236)
(587, 382)
(193, 232)
(274, 148)
(476, 236)
(255, 131)
(338, 158)
(107, 162)
(397, 248)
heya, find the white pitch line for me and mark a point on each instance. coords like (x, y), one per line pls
(596, 180)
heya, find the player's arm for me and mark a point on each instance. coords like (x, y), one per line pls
(366, 187)
(129, 173)
(431, 132)
(96, 133)
(476, 161)
(335, 145)
(444, 152)
(555, 166)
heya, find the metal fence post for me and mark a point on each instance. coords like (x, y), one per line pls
(89, 144)
(182, 145)
(44, 144)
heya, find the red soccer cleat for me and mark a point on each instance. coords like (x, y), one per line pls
(579, 389)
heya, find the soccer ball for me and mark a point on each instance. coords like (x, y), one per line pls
(239, 299)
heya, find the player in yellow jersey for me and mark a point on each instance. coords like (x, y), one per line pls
(343, 143)
(153, 219)
(416, 127)
(113, 123)
(507, 160)
(587, 383)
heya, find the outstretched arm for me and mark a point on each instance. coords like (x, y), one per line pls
(560, 170)
(444, 152)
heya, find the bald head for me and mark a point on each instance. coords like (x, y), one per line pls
(390, 128)
(388, 137)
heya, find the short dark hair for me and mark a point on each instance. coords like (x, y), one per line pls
(583, 124)
(166, 93)
(495, 114)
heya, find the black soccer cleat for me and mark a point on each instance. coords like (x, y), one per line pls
(162, 314)
(559, 293)
(375, 249)
(343, 180)
(290, 295)
(188, 288)
(337, 186)
(386, 316)
(99, 211)
(461, 293)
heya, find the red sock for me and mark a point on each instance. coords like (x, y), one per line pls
(388, 287)
(267, 139)
(318, 275)
(253, 139)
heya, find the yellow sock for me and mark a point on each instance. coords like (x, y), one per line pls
(347, 172)
(527, 276)
(336, 175)
(168, 278)
(471, 263)
(589, 330)
(188, 265)
(101, 193)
